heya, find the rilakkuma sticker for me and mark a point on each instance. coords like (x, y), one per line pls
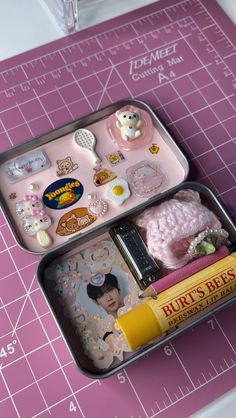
(103, 176)
(63, 193)
(65, 166)
(74, 221)
(115, 157)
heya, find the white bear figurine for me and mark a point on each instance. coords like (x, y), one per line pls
(129, 123)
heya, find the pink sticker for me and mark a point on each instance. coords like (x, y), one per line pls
(145, 178)
(98, 207)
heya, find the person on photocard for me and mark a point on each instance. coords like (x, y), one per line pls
(107, 295)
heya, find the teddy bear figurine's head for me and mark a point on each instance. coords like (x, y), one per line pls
(128, 118)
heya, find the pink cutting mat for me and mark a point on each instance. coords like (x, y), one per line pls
(179, 58)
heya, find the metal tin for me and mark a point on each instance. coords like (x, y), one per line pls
(54, 135)
(70, 338)
(68, 332)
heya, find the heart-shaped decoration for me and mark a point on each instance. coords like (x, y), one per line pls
(98, 279)
(98, 207)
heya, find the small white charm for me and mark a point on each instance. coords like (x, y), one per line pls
(92, 196)
(32, 187)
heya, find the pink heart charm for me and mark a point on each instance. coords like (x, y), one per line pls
(98, 207)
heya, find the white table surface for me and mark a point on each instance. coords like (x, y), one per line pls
(26, 24)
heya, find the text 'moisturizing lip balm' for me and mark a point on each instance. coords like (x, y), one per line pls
(178, 303)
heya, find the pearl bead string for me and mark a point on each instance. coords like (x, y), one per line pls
(202, 235)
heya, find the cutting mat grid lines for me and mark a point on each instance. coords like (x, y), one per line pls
(179, 58)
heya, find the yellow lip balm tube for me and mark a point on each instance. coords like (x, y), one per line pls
(178, 303)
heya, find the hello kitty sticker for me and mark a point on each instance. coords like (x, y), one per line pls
(130, 128)
(35, 221)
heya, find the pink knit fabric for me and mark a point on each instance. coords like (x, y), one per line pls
(169, 225)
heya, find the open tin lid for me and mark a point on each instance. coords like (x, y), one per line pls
(87, 174)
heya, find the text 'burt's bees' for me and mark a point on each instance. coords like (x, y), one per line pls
(200, 297)
(179, 302)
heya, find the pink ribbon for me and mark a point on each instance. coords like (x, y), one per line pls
(38, 212)
(32, 197)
